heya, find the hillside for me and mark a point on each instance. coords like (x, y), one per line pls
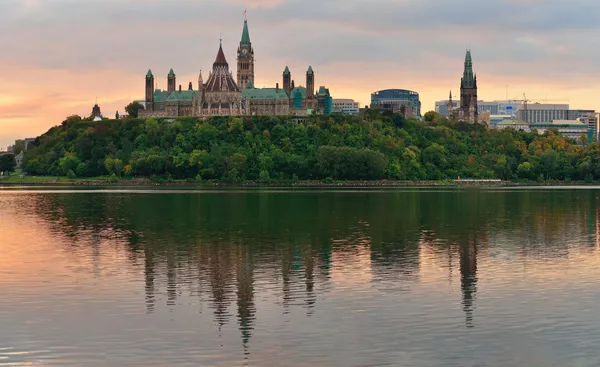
(236, 149)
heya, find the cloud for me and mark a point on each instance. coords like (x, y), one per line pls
(84, 48)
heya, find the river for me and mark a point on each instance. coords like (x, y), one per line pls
(300, 277)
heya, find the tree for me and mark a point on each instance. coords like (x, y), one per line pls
(7, 163)
(134, 108)
(69, 162)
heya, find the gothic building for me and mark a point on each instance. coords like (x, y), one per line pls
(468, 93)
(245, 61)
(222, 95)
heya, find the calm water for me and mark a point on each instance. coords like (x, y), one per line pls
(300, 277)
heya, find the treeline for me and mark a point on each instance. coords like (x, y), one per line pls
(374, 146)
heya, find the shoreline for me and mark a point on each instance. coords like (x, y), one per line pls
(303, 184)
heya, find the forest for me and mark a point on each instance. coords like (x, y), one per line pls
(374, 146)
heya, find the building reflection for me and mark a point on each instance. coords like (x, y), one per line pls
(226, 251)
(468, 279)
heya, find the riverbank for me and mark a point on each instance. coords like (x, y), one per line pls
(140, 182)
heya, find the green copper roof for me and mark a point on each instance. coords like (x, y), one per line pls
(160, 95)
(184, 95)
(286, 71)
(171, 73)
(310, 70)
(468, 81)
(264, 93)
(149, 73)
(322, 91)
(302, 91)
(245, 35)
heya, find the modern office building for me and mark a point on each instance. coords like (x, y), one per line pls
(507, 108)
(535, 113)
(345, 106)
(397, 100)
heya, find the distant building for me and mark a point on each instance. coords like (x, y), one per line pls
(266, 101)
(593, 121)
(345, 106)
(467, 110)
(535, 113)
(397, 100)
(495, 108)
(570, 128)
(513, 124)
(495, 119)
(19, 159)
(96, 113)
(223, 95)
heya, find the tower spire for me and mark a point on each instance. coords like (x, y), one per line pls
(245, 34)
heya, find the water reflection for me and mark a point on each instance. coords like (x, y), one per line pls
(246, 255)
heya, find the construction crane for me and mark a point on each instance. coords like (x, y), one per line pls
(526, 101)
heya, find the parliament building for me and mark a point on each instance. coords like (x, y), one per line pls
(224, 95)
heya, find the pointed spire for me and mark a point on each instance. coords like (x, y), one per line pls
(200, 77)
(220, 60)
(245, 35)
(171, 72)
(310, 70)
(149, 75)
(451, 95)
(468, 80)
(286, 71)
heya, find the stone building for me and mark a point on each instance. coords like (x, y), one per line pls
(467, 110)
(222, 95)
(266, 101)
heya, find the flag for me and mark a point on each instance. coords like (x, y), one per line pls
(244, 12)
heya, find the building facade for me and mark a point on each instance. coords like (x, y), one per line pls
(223, 95)
(534, 113)
(345, 106)
(495, 108)
(468, 110)
(398, 100)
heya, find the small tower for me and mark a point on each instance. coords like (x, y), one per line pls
(149, 91)
(245, 59)
(310, 83)
(171, 82)
(190, 86)
(450, 106)
(200, 82)
(287, 80)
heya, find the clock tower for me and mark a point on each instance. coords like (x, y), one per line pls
(245, 60)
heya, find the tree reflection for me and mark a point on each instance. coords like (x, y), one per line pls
(217, 244)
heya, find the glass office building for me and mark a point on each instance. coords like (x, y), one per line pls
(394, 98)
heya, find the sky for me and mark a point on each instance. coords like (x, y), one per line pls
(57, 57)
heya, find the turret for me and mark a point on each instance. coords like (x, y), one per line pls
(287, 80)
(200, 81)
(171, 82)
(310, 83)
(149, 90)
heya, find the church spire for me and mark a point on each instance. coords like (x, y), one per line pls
(245, 35)
(468, 79)
(220, 59)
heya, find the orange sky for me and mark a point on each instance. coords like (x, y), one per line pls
(61, 57)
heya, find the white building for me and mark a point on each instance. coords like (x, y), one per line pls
(535, 113)
(345, 106)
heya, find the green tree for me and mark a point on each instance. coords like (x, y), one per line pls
(69, 162)
(134, 108)
(7, 163)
